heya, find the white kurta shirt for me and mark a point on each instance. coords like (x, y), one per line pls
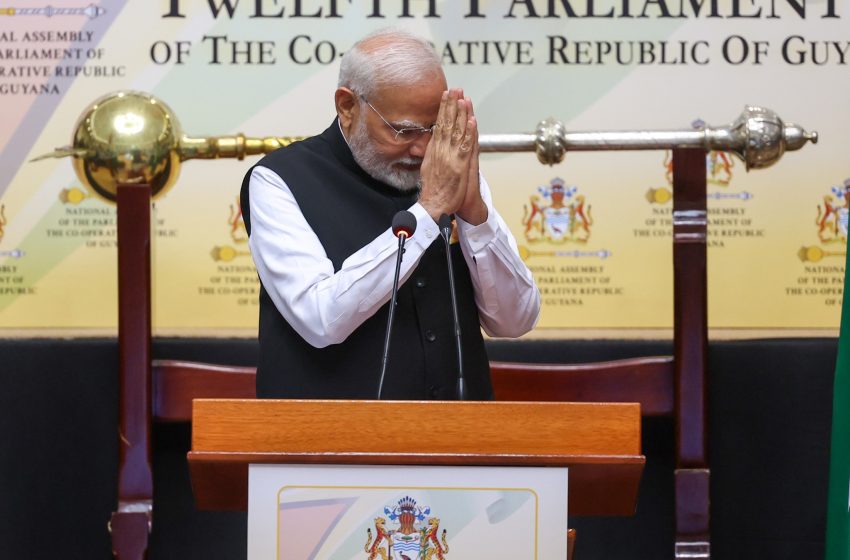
(325, 306)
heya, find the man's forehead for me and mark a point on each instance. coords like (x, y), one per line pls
(402, 98)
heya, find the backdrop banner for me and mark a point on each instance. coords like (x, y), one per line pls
(595, 229)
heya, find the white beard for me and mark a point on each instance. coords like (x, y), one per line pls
(377, 167)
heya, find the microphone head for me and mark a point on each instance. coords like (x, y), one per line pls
(404, 223)
(445, 222)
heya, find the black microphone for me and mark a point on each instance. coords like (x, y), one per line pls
(445, 225)
(404, 224)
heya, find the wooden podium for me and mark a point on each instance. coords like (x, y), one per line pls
(599, 443)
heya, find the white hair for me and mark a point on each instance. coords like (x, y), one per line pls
(387, 57)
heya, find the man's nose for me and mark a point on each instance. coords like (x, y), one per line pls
(417, 147)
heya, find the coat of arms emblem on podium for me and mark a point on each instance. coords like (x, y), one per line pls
(417, 536)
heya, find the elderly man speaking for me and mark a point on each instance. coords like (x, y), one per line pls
(319, 213)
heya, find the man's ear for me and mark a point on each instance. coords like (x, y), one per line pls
(346, 107)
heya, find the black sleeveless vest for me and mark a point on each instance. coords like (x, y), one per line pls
(347, 209)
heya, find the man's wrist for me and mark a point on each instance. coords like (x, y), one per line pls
(476, 215)
(433, 210)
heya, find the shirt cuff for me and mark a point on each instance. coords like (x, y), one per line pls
(426, 228)
(481, 235)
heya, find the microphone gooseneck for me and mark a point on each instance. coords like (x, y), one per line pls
(445, 225)
(404, 224)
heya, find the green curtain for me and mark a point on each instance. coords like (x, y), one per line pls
(838, 508)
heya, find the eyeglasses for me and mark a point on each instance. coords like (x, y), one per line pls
(402, 135)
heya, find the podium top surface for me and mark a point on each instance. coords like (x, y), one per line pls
(599, 442)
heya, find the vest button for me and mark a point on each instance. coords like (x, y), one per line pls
(421, 283)
(430, 336)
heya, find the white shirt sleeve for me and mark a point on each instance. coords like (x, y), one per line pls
(323, 306)
(507, 298)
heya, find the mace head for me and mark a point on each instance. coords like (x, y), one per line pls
(759, 137)
(125, 137)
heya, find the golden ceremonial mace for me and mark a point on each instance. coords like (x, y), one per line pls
(133, 137)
